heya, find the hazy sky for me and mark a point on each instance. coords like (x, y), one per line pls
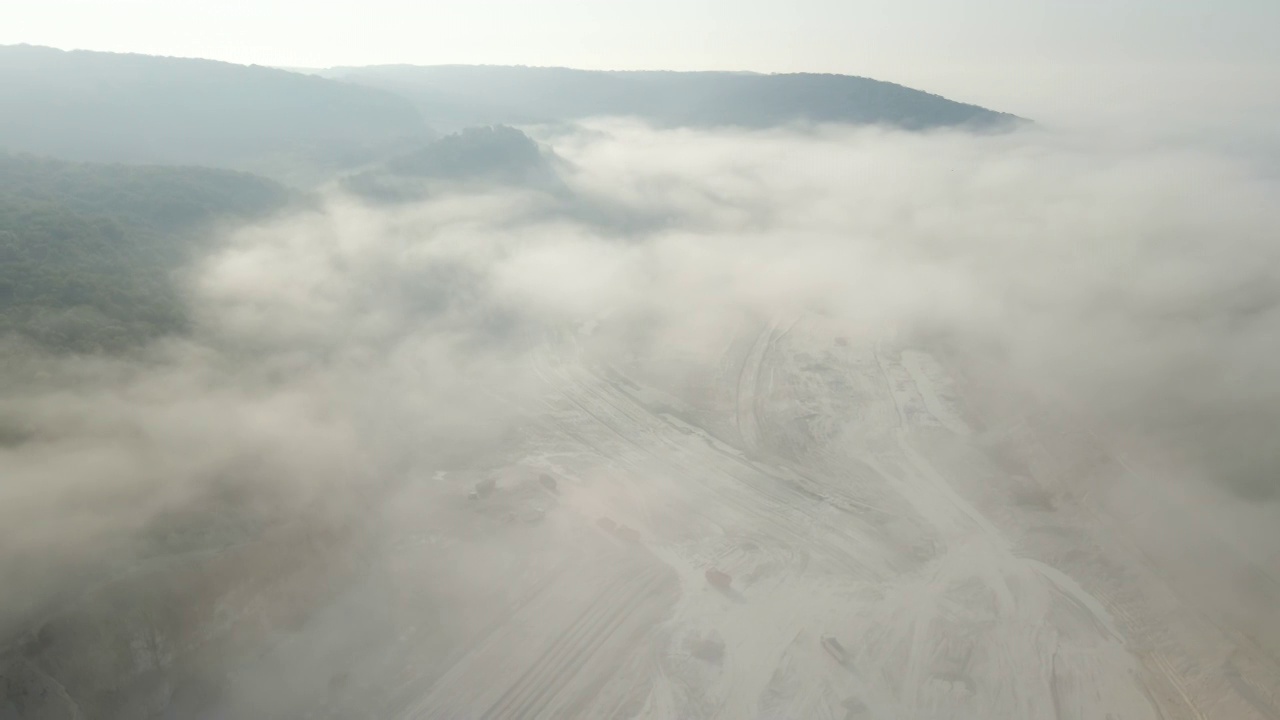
(1024, 56)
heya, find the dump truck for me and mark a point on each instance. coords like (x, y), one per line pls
(719, 579)
(835, 649)
(628, 534)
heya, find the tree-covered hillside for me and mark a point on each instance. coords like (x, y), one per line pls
(107, 107)
(455, 96)
(87, 252)
(491, 155)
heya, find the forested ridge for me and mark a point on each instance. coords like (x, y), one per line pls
(118, 107)
(88, 252)
(452, 97)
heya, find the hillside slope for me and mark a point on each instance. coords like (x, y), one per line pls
(455, 96)
(497, 155)
(86, 251)
(107, 107)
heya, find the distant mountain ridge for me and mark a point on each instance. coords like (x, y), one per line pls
(451, 97)
(109, 107)
(303, 127)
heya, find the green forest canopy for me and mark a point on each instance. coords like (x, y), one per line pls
(87, 252)
(112, 107)
(451, 97)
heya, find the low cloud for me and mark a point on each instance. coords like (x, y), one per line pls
(343, 351)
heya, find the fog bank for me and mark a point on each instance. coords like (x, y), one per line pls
(345, 353)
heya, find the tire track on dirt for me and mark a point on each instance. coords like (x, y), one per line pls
(461, 691)
(562, 663)
(769, 504)
(747, 407)
(763, 494)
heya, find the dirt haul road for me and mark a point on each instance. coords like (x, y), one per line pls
(962, 570)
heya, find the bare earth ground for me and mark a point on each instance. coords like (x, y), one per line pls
(970, 560)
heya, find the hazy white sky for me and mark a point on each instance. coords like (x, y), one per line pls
(1004, 53)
